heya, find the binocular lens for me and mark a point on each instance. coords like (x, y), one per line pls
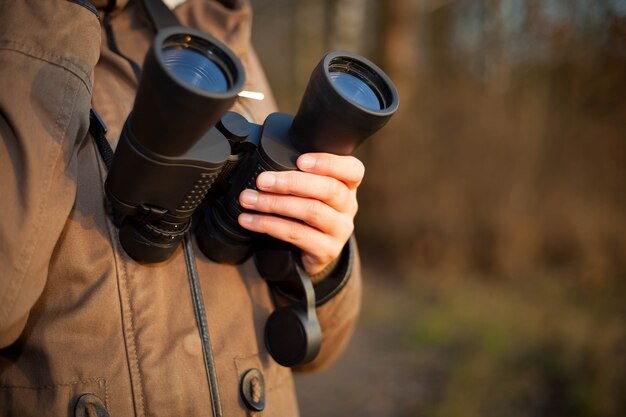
(356, 82)
(355, 89)
(195, 64)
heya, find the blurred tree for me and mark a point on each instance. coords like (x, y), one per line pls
(502, 178)
(507, 153)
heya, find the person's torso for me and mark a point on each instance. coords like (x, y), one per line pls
(124, 332)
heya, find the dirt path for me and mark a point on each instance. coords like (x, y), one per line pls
(375, 376)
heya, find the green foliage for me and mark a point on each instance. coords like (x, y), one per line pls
(508, 350)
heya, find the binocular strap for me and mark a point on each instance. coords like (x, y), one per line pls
(198, 307)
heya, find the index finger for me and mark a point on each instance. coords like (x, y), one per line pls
(346, 169)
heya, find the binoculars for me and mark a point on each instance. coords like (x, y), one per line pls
(184, 156)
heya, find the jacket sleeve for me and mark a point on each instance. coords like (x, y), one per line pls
(47, 54)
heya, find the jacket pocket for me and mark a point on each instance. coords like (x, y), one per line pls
(57, 399)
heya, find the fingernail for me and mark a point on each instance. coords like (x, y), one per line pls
(245, 219)
(307, 162)
(249, 197)
(266, 180)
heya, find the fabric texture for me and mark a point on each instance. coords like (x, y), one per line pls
(77, 315)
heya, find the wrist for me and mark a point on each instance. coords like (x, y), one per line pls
(328, 282)
(325, 271)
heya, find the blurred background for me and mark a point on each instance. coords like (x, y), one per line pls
(492, 220)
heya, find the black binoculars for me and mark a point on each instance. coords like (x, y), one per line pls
(182, 151)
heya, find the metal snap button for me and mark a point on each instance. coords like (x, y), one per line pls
(90, 405)
(252, 389)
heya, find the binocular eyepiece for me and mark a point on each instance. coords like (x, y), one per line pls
(180, 143)
(347, 99)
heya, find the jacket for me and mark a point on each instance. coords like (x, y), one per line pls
(81, 324)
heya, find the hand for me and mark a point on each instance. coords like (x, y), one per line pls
(313, 208)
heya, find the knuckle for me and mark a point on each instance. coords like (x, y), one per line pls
(355, 207)
(339, 188)
(349, 227)
(271, 204)
(291, 181)
(357, 172)
(333, 251)
(359, 168)
(294, 233)
(324, 162)
(345, 200)
(261, 223)
(345, 229)
(336, 192)
(314, 212)
(331, 164)
(330, 189)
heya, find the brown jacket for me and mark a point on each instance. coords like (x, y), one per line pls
(77, 315)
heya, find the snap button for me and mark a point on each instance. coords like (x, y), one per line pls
(90, 405)
(253, 389)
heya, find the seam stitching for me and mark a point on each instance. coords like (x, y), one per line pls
(57, 60)
(127, 312)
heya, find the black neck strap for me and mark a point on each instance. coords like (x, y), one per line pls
(160, 15)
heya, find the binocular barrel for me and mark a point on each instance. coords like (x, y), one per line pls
(347, 99)
(189, 81)
(168, 156)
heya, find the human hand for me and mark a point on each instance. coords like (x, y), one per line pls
(313, 208)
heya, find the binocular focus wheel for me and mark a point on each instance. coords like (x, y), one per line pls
(141, 243)
(291, 338)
